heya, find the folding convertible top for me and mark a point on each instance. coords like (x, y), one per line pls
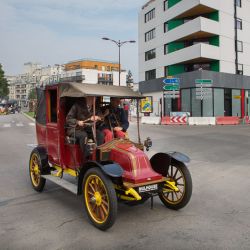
(74, 89)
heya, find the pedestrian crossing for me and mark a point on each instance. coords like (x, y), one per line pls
(16, 124)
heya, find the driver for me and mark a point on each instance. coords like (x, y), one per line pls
(80, 113)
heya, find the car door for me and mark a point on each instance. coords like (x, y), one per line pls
(52, 128)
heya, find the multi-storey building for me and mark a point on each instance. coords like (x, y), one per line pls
(34, 75)
(196, 39)
(94, 72)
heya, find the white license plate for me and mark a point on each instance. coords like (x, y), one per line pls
(148, 188)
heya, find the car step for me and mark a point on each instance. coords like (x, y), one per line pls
(62, 183)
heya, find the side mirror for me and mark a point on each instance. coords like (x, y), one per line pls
(148, 143)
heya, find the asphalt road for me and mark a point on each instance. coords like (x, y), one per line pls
(217, 217)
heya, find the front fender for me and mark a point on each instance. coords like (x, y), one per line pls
(161, 161)
(111, 169)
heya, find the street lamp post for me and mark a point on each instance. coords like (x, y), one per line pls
(119, 43)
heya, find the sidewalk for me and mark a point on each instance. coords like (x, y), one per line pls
(29, 117)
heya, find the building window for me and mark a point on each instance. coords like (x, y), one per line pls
(239, 46)
(165, 27)
(150, 35)
(149, 15)
(165, 48)
(239, 69)
(197, 66)
(166, 71)
(238, 3)
(150, 54)
(238, 24)
(151, 74)
(165, 5)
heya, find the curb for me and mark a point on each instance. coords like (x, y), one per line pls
(27, 116)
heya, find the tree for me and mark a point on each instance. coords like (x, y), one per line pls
(32, 94)
(4, 90)
(130, 79)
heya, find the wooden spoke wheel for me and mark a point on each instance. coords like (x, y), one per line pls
(180, 176)
(35, 168)
(99, 199)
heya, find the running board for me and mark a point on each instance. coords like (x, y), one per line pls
(62, 183)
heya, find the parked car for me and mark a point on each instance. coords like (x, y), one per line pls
(118, 170)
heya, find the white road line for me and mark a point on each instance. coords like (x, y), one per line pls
(31, 145)
(32, 124)
(19, 125)
(7, 125)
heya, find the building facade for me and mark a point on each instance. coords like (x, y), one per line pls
(34, 75)
(192, 40)
(94, 72)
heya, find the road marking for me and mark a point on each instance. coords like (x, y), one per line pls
(31, 145)
(19, 125)
(7, 125)
(32, 124)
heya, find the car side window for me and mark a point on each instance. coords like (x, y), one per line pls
(53, 106)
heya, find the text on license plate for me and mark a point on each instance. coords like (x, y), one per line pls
(148, 188)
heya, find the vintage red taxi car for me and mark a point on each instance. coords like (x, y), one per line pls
(118, 170)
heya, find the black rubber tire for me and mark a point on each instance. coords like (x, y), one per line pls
(112, 199)
(187, 189)
(41, 163)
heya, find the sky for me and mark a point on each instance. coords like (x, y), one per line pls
(58, 31)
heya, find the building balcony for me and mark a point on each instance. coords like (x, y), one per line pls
(196, 53)
(73, 79)
(197, 28)
(104, 81)
(188, 8)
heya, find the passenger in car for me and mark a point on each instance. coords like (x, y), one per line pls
(116, 122)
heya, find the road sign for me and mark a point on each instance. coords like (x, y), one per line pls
(172, 94)
(203, 88)
(178, 119)
(203, 81)
(237, 97)
(171, 87)
(171, 80)
(203, 93)
(201, 85)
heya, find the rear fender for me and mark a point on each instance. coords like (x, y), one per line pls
(161, 161)
(111, 169)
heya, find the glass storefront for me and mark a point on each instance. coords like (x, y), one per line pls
(207, 106)
(236, 102)
(218, 102)
(195, 104)
(247, 104)
(185, 100)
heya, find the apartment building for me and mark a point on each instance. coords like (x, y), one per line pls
(191, 40)
(94, 72)
(34, 75)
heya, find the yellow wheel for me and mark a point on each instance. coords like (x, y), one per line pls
(99, 199)
(35, 168)
(179, 175)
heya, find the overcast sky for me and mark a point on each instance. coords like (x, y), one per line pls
(57, 31)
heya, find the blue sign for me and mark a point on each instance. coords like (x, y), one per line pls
(171, 81)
